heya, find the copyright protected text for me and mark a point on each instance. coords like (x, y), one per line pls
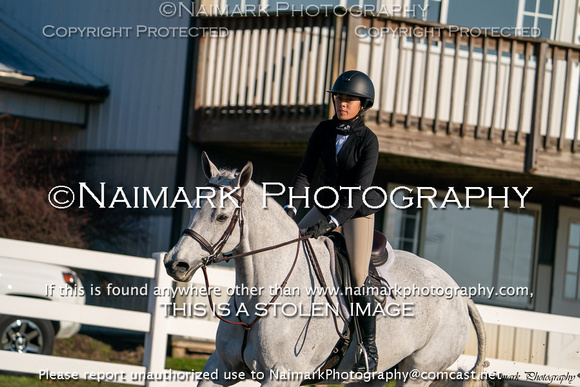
(138, 31)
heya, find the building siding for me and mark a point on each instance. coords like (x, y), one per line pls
(145, 75)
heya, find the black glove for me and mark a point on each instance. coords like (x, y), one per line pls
(321, 228)
(291, 212)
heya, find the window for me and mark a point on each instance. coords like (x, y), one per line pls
(462, 242)
(404, 227)
(572, 278)
(477, 246)
(483, 14)
(429, 10)
(540, 14)
(537, 17)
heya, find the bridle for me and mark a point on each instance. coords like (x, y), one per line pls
(216, 249)
(213, 257)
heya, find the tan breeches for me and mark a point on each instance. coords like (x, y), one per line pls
(358, 233)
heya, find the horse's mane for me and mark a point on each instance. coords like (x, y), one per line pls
(226, 176)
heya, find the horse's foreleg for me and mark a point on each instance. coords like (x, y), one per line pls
(218, 373)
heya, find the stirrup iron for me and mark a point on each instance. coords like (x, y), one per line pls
(362, 351)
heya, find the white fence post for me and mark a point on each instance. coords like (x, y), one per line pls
(156, 338)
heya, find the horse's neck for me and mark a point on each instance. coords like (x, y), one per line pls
(265, 228)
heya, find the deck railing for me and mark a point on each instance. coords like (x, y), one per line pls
(428, 76)
(266, 66)
(472, 83)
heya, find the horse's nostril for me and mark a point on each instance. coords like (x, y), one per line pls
(181, 266)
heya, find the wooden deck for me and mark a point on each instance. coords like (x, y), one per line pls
(500, 104)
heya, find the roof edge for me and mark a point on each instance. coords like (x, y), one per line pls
(71, 91)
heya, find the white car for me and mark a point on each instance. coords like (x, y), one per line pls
(34, 279)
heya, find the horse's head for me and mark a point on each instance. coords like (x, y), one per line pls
(215, 224)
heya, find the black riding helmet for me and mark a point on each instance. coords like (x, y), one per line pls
(355, 83)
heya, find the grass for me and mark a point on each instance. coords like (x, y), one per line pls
(86, 347)
(107, 349)
(185, 364)
(182, 364)
(174, 363)
(33, 381)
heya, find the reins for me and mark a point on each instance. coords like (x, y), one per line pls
(316, 267)
(216, 249)
(257, 251)
(247, 326)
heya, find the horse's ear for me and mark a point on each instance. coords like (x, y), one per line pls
(245, 176)
(209, 169)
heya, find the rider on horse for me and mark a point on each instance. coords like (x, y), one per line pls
(349, 152)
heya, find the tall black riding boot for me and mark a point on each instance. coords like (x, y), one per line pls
(364, 307)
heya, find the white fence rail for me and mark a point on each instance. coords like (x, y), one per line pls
(157, 325)
(554, 324)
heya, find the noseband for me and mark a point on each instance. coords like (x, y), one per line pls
(216, 249)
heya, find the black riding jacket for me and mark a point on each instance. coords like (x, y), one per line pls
(354, 166)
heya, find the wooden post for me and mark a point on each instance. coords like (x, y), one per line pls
(197, 85)
(441, 62)
(494, 112)
(402, 37)
(384, 76)
(463, 127)
(336, 56)
(513, 56)
(520, 128)
(453, 76)
(553, 78)
(574, 145)
(412, 82)
(567, 87)
(483, 80)
(352, 41)
(426, 82)
(533, 143)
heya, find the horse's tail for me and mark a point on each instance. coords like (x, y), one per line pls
(477, 322)
(474, 379)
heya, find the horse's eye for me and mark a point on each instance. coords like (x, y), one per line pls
(222, 218)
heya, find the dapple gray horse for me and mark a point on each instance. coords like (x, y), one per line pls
(286, 345)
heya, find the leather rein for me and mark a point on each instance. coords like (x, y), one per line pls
(216, 249)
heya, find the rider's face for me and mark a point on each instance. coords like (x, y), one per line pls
(347, 107)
